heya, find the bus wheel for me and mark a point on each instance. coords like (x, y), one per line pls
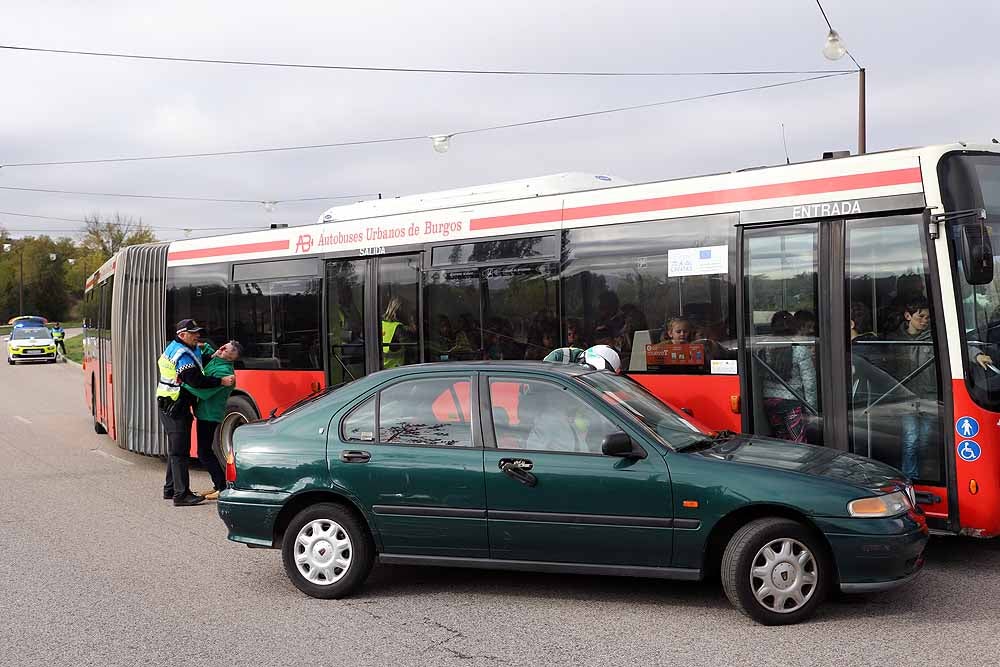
(98, 429)
(239, 411)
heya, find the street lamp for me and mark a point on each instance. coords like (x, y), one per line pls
(835, 49)
(9, 247)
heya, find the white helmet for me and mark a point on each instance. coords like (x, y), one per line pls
(603, 357)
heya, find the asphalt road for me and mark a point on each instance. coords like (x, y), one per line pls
(96, 569)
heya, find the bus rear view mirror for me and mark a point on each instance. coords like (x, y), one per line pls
(976, 248)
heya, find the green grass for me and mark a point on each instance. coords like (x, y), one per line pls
(74, 348)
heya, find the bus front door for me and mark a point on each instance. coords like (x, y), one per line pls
(781, 337)
(840, 339)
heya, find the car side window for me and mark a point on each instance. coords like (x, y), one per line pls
(427, 411)
(359, 424)
(538, 415)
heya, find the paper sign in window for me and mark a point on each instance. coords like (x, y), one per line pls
(704, 261)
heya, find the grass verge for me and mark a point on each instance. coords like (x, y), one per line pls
(74, 348)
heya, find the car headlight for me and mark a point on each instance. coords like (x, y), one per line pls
(888, 505)
(15, 348)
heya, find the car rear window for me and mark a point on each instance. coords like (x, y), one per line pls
(426, 411)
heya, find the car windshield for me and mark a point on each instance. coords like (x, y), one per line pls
(632, 398)
(22, 333)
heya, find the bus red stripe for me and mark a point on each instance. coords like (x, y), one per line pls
(753, 193)
(244, 249)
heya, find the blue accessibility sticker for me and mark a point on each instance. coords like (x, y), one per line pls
(969, 450)
(967, 427)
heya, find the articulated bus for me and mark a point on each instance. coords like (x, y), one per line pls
(848, 302)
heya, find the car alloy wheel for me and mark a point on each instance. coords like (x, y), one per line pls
(776, 571)
(783, 575)
(323, 552)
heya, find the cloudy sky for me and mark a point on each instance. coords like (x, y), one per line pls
(931, 79)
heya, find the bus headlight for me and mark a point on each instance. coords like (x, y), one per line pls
(888, 505)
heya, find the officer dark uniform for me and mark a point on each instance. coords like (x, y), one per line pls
(181, 363)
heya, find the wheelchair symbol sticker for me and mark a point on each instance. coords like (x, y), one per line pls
(967, 427)
(969, 451)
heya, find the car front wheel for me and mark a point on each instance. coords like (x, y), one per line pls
(327, 551)
(776, 571)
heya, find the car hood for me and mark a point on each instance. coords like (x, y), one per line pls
(807, 460)
(30, 342)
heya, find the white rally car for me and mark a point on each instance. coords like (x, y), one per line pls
(31, 344)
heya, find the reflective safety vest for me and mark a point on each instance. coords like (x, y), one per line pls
(169, 385)
(58, 334)
(390, 358)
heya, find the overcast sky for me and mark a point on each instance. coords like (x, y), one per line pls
(931, 79)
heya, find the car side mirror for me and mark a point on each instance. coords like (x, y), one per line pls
(620, 444)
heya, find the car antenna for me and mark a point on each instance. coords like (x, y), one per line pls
(785, 144)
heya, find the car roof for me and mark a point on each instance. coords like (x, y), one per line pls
(549, 367)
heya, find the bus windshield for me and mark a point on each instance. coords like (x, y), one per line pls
(973, 182)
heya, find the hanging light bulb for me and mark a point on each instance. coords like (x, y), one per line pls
(834, 48)
(440, 142)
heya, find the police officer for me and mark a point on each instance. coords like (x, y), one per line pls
(182, 362)
(59, 336)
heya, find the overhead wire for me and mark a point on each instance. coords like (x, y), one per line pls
(187, 198)
(83, 221)
(407, 70)
(423, 137)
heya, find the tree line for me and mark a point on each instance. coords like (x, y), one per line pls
(55, 270)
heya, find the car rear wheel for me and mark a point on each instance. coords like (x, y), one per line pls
(327, 552)
(776, 571)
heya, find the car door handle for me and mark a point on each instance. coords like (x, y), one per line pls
(517, 469)
(355, 456)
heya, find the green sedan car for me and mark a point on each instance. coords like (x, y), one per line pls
(558, 468)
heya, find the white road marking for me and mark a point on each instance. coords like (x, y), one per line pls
(22, 419)
(109, 456)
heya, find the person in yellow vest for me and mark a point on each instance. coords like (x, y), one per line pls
(182, 363)
(393, 331)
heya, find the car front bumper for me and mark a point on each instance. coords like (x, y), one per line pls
(876, 554)
(22, 356)
(250, 516)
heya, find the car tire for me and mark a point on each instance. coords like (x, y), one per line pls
(10, 361)
(776, 571)
(317, 540)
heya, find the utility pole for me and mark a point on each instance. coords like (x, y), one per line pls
(9, 247)
(862, 130)
(20, 310)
